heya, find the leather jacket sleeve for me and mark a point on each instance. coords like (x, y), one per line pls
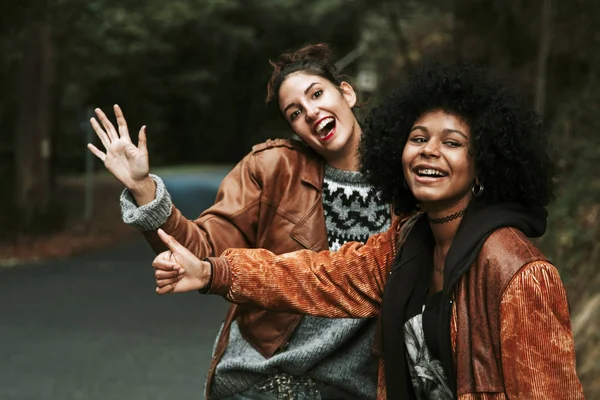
(538, 354)
(346, 283)
(230, 222)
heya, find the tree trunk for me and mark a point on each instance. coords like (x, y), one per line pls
(392, 11)
(543, 55)
(32, 142)
(457, 32)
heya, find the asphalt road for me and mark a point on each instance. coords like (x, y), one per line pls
(92, 327)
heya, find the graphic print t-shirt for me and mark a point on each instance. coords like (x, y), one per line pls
(426, 372)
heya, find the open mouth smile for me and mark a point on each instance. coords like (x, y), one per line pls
(428, 173)
(324, 128)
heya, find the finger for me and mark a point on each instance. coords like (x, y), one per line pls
(108, 126)
(123, 131)
(164, 264)
(96, 152)
(142, 143)
(164, 290)
(100, 133)
(164, 282)
(161, 274)
(170, 241)
(179, 269)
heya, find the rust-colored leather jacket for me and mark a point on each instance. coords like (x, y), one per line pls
(272, 200)
(510, 326)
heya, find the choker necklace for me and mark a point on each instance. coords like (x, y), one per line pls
(448, 218)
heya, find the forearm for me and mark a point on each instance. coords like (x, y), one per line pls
(194, 235)
(347, 283)
(228, 223)
(207, 236)
(273, 288)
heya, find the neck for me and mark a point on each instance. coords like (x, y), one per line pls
(347, 158)
(444, 233)
(345, 164)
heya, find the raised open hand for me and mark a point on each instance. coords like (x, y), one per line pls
(179, 270)
(126, 161)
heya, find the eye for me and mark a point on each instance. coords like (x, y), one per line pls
(452, 143)
(317, 93)
(294, 114)
(418, 139)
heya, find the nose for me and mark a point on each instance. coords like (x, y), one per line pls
(312, 112)
(431, 148)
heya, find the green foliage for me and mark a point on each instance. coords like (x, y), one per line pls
(574, 223)
(194, 71)
(426, 27)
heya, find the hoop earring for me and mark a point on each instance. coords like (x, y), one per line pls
(477, 189)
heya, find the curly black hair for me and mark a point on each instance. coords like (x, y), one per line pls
(510, 143)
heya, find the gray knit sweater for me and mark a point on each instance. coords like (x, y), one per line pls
(336, 352)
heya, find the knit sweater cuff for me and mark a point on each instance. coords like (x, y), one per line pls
(151, 216)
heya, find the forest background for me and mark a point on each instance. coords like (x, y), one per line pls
(195, 72)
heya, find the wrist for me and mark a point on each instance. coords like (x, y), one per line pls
(205, 276)
(140, 186)
(144, 190)
(221, 276)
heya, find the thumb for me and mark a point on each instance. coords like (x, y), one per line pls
(170, 241)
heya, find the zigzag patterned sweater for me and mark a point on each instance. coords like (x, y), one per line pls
(336, 352)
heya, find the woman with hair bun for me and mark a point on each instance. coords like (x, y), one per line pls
(285, 195)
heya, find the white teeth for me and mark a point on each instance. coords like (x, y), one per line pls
(429, 171)
(323, 123)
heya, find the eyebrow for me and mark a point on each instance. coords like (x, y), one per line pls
(445, 131)
(305, 92)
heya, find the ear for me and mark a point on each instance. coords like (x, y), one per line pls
(348, 93)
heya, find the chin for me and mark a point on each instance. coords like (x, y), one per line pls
(337, 143)
(436, 201)
(427, 197)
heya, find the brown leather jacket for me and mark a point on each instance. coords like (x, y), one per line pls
(272, 200)
(510, 327)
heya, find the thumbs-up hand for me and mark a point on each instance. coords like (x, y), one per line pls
(178, 270)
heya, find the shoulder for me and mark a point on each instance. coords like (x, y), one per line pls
(504, 253)
(281, 148)
(510, 246)
(286, 155)
(536, 272)
(288, 159)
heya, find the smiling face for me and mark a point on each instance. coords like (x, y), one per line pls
(321, 114)
(437, 164)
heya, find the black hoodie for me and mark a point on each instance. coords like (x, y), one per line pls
(410, 274)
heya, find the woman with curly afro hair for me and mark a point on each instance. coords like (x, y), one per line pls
(468, 307)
